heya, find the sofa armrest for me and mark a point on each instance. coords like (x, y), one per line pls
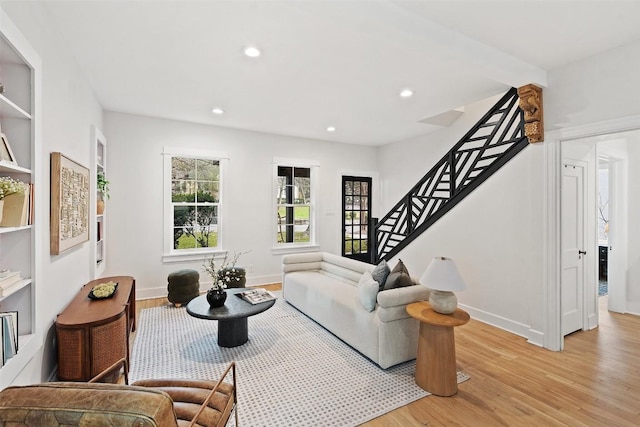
(403, 296)
(392, 303)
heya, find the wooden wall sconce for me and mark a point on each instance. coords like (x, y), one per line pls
(531, 103)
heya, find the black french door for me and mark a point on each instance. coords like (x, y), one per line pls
(356, 211)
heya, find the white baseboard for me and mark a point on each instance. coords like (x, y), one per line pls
(536, 338)
(592, 322)
(161, 291)
(264, 280)
(503, 323)
(633, 308)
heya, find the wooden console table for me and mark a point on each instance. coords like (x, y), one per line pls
(436, 359)
(94, 334)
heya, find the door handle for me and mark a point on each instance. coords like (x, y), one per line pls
(582, 252)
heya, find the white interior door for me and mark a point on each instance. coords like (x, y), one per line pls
(572, 246)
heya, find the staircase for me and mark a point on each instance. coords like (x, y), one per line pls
(491, 143)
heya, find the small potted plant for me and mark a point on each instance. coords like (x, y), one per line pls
(102, 186)
(220, 277)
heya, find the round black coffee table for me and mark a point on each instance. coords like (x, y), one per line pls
(232, 317)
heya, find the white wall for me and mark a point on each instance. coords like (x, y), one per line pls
(496, 234)
(491, 235)
(633, 204)
(69, 108)
(134, 212)
(599, 88)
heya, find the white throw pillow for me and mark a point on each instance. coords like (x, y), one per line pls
(368, 291)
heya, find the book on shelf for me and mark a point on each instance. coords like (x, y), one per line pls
(31, 202)
(9, 334)
(256, 296)
(1, 344)
(11, 289)
(15, 212)
(9, 279)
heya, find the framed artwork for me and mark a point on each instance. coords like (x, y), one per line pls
(5, 150)
(69, 203)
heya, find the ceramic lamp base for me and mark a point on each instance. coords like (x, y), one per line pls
(443, 302)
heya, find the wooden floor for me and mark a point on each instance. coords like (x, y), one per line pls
(595, 381)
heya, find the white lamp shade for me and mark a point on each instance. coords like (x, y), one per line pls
(442, 275)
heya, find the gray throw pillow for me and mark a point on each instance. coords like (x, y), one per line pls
(380, 273)
(400, 268)
(397, 280)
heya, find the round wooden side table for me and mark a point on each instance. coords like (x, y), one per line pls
(436, 359)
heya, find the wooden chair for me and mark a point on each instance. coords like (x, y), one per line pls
(147, 403)
(196, 402)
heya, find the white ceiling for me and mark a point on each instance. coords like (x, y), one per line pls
(338, 63)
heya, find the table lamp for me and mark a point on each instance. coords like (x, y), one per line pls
(442, 277)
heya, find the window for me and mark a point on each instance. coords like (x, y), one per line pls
(295, 208)
(194, 186)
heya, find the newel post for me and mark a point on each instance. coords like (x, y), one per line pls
(373, 241)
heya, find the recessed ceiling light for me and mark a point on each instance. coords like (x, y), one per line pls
(217, 111)
(252, 52)
(406, 93)
(331, 129)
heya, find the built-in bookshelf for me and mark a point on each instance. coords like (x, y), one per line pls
(99, 148)
(20, 159)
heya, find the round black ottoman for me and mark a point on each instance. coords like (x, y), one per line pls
(184, 285)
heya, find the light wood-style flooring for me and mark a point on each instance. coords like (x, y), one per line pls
(595, 381)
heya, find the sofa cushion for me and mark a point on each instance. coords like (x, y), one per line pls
(368, 291)
(334, 305)
(339, 272)
(380, 273)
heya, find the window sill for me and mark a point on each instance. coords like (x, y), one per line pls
(283, 250)
(192, 256)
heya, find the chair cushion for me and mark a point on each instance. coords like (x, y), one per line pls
(188, 396)
(82, 404)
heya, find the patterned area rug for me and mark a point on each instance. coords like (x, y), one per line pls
(292, 372)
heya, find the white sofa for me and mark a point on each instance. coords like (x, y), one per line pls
(325, 287)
